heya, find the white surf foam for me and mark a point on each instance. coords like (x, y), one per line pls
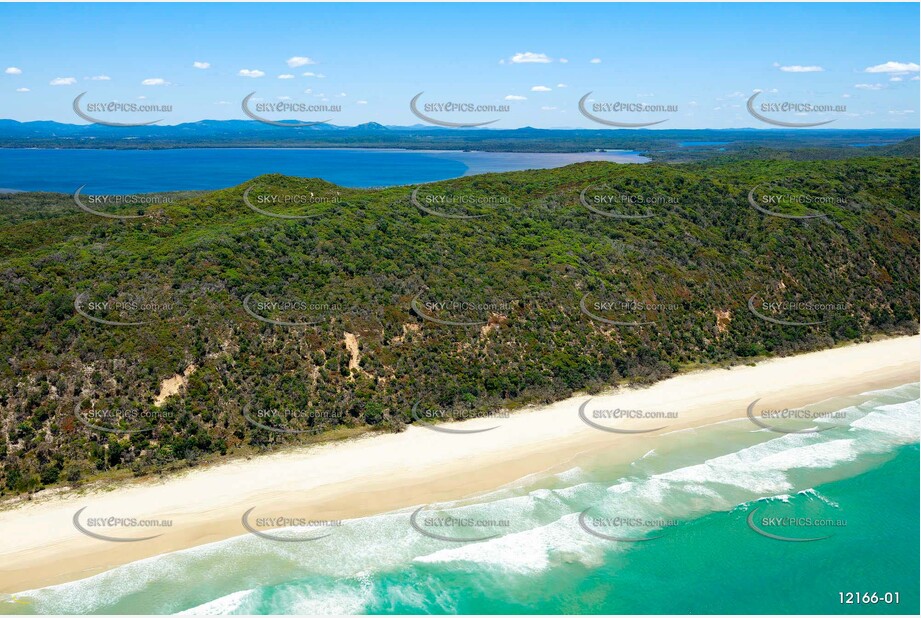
(220, 606)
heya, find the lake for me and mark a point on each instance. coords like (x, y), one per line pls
(146, 171)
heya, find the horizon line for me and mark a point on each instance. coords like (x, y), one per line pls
(420, 126)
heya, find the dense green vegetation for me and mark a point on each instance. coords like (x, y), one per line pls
(523, 266)
(661, 144)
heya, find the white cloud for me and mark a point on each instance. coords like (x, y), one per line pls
(342, 94)
(902, 111)
(63, 81)
(155, 81)
(515, 97)
(361, 102)
(223, 103)
(562, 86)
(548, 108)
(142, 97)
(564, 60)
(308, 91)
(798, 68)
(868, 86)
(23, 90)
(100, 78)
(299, 61)
(201, 65)
(311, 74)
(251, 73)
(286, 76)
(595, 61)
(13, 71)
(894, 67)
(895, 79)
(845, 96)
(284, 98)
(915, 78)
(530, 57)
(539, 89)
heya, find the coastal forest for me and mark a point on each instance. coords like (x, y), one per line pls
(141, 338)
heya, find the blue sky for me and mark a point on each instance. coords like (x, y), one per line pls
(538, 59)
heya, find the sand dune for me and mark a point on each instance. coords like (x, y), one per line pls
(41, 546)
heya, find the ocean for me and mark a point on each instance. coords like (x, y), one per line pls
(693, 519)
(187, 169)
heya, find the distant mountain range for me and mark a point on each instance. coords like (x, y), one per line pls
(661, 143)
(49, 128)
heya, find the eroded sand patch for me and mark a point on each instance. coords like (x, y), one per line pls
(171, 386)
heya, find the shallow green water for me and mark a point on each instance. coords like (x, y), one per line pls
(694, 493)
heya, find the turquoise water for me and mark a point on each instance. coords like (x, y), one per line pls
(187, 169)
(694, 493)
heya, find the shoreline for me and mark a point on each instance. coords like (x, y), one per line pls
(384, 472)
(460, 156)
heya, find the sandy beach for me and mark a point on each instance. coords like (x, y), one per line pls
(41, 546)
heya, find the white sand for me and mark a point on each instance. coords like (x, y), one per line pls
(40, 545)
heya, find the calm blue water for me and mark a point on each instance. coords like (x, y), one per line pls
(863, 471)
(146, 171)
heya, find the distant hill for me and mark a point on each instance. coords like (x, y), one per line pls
(907, 148)
(665, 144)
